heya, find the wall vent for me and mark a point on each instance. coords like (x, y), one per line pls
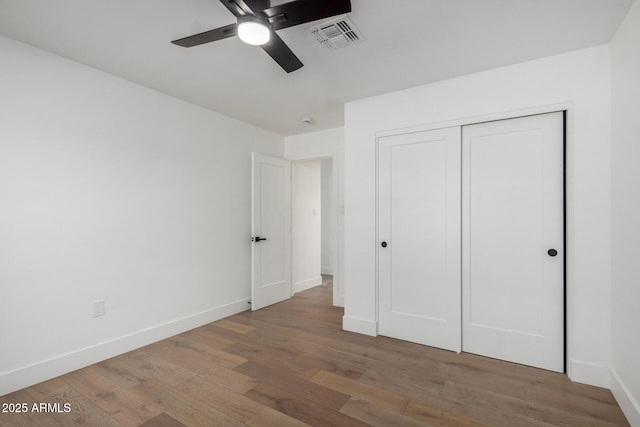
(337, 33)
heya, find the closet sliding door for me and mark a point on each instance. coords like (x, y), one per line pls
(513, 240)
(419, 237)
(471, 239)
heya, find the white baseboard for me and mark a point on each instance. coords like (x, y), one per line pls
(326, 270)
(589, 373)
(361, 326)
(630, 407)
(44, 370)
(307, 284)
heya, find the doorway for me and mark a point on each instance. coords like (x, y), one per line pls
(313, 223)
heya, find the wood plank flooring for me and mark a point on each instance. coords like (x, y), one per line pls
(291, 365)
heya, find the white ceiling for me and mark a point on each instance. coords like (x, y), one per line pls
(408, 43)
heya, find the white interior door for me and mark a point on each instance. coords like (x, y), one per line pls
(270, 230)
(419, 237)
(512, 204)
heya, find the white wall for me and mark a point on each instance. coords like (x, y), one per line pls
(578, 81)
(305, 224)
(625, 213)
(111, 191)
(328, 217)
(327, 143)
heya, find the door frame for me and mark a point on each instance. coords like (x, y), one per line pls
(338, 244)
(569, 274)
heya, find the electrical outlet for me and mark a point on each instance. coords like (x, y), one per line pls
(98, 308)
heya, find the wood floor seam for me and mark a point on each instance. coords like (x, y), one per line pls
(292, 365)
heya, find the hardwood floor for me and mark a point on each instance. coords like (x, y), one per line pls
(291, 365)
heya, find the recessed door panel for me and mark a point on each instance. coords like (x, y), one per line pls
(419, 237)
(512, 204)
(271, 225)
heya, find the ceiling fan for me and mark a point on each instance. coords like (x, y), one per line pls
(257, 23)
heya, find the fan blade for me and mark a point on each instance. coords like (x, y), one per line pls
(237, 7)
(280, 52)
(258, 5)
(302, 11)
(208, 36)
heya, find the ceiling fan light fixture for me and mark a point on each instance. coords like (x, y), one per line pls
(252, 30)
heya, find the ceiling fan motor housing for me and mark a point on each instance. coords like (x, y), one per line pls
(254, 30)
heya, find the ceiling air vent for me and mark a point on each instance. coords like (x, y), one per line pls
(336, 33)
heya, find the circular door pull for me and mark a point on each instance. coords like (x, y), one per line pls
(552, 252)
(383, 244)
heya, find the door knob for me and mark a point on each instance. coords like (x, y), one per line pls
(258, 239)
(552, 252)
(383, 244)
